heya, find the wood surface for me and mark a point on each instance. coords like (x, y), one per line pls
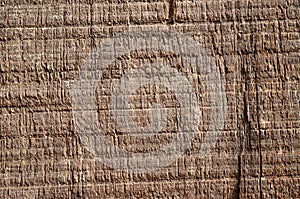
(256, 47)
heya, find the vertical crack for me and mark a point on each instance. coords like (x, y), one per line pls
(238, 194)
(257, 96)
(245, 138)
(259, 135)
(172, 11)
(92, 34)
(246, 121)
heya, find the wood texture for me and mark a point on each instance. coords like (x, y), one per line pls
(256, 46)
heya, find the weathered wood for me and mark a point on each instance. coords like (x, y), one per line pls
(255, 46)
